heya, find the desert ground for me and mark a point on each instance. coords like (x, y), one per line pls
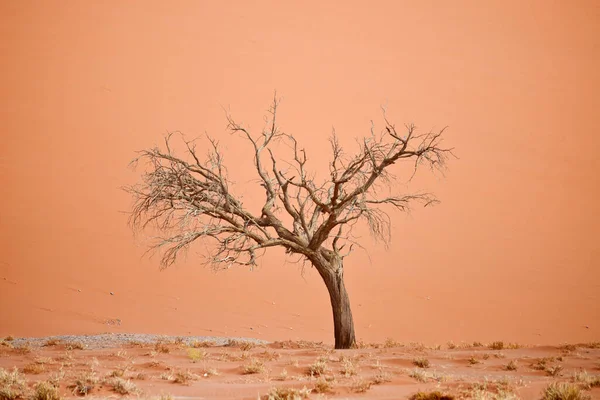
(509, 254)
(146, 366)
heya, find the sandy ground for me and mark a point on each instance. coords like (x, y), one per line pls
(110, 366)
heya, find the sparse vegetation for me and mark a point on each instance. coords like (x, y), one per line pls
(586, 380)
(451, 345)
(52, 342)
(45, 391)
(161, 347)
(424, 376)
(322, 386)
(511, 366)
(204, 343)
(12, 384)
(361, 386)
(555, 370)
(421, 362)
(196, 354)
(390, 343)
(84, 384)
(496, 345)
(436, 395)
(317, 369)
(34, 369)
(75, 346)
(563, 391)
(473, 361)
(286, 393)
(381, 377)
(348, 368)
(118, 373)
(184, 377)
(22, 349)
(254, 367)
(122, 386)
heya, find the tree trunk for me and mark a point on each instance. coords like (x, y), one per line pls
(343, 323)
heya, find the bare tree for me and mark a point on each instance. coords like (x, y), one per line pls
(189, 198)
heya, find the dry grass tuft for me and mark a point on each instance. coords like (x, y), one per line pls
(286, 393)
(563, 391)
(118, 373)
(361, 386)
(555, 370)
(496, 345)
(390, 343)
(421, 362)
(45, 391)
(473, 361)
(122, 386)
(52, 342)
(196, 354)
(586, 380)
(34, 369)
(12, 384)
(511, 366)
(297, 344)
(381, 377)
(322, 386)
(317, 369)
(162, 347)
(431, 396)
(348, 368)
(84, 384)
(22, 349)
(184, 377)
(204, 343)
(253, 367)
(75, 346)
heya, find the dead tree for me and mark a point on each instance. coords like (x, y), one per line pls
(188, 198)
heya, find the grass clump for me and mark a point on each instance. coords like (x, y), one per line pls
(254, 367)
(586, 380)
(286, 393)
(348, 368)
(473, 361)
(496, 345)
(45, 391)
(123, 386)
(317, 369)
(12, 384)
(196, 354)
(421, 362)
(563, 391)
(555, 370)
(203, 343)
(390, 343)
(361, 386)
(84, 384)
(161, 347)
(381, 377)
(75, 346)
(34, 369)
(511, 366)
(436, 395)
(52, 342)
(322, 386)
(184, 377)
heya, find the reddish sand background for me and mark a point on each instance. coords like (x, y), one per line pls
(510, 254)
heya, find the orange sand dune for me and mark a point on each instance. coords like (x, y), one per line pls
(510, 254)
